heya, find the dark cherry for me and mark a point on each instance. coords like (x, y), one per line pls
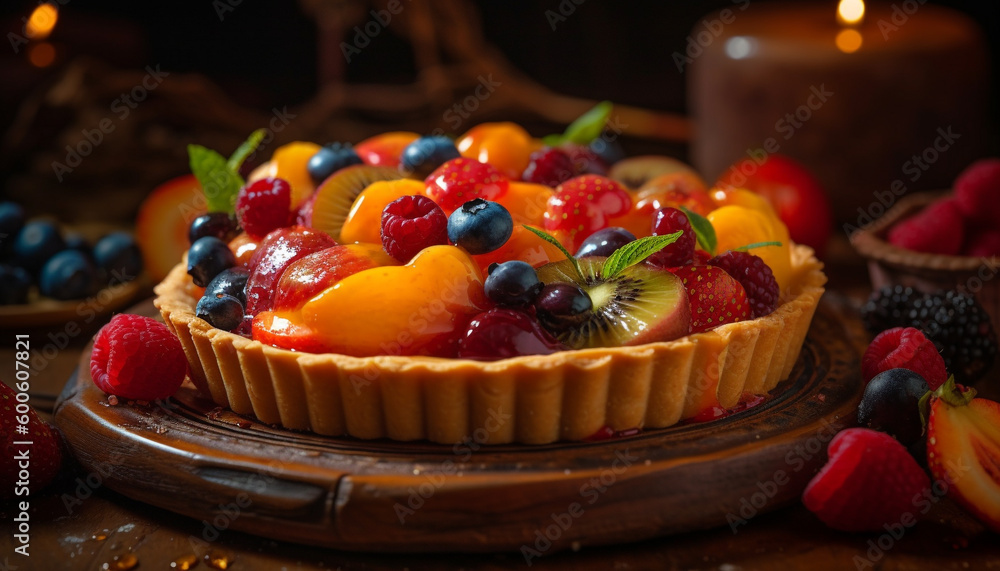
(890, 404)
(562, 305)
(219, 225)
(503, 333)
(604, 242)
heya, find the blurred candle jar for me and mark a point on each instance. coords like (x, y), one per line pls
(877, 101)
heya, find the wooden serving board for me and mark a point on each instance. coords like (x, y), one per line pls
(231, 472)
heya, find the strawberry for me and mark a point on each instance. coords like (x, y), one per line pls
(963, 450)
(460, 180)
(870, 481)
(937, 229)
(716, 297)
(44, 454)
(907, 348)
(982, 243)
(582, 205)
(977, 189)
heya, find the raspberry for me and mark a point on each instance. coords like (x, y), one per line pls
(755, 277)
(137, 358)
(550, 167)
(263, 205)
(906, 348)
(410, 224)
(868, 483)
(668, 220)
(460, 180)
(977, 189)
(938, 229)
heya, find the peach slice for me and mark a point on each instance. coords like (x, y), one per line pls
(526, 202)
(289, 162)
(161, 227)
(432, 297)
(307, 277)
(364, 222)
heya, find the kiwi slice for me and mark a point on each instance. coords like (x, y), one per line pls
(634, 172)
(333, 199)
(640, 305)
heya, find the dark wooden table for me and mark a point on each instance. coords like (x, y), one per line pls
(80, 524)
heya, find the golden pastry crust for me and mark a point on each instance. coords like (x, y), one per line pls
(568, 395)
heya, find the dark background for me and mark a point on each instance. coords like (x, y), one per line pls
(263, 52)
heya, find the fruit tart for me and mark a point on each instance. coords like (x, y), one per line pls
(496, 287)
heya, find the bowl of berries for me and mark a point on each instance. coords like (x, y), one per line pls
(933, 260)
(51, 274)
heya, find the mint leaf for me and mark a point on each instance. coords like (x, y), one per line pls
(585, 128)
(635, 252)
(246, 149)
(749, 247)
(219, 183)
(552, 240)
(703, 230)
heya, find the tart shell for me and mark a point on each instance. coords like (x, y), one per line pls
(568, 395)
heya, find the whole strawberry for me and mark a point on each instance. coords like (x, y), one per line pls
(583, 205)
(138, 358)
(40, 460)
(977, 190)
(716, 297)
(937, 229)
(756, 278)
(869, 482)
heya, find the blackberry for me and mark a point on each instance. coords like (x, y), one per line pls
(961, 330)
(888, 307)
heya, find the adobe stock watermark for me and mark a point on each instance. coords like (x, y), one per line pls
(363, 35)
(456, 115)
(712, 29)
(590, 492)
(563, 11)
(122, 107)
(922, 503)
(900, 16)
(463, 451)
(785, 126)
(796, 460)
(914, 168)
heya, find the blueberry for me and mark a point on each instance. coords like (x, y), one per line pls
(604, 242)
(38, 241)
(513, 284)
(222, 225)
(480, 226)
(207, 257)
(15, 283)
(118, 256)
(562, 305)
(611, 151)
(428, 153)
(330, 159)
(220, 311)
(68, 275)
(77, 241)
(890, 404)
(11, 222)
(231, 281)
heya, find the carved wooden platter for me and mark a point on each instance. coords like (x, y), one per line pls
(232, 472)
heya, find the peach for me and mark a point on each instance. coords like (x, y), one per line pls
(364, 222)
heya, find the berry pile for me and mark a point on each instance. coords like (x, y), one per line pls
(955, 322)
(912, 415)
(965, 223)
(467, 244)
(61, 264)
